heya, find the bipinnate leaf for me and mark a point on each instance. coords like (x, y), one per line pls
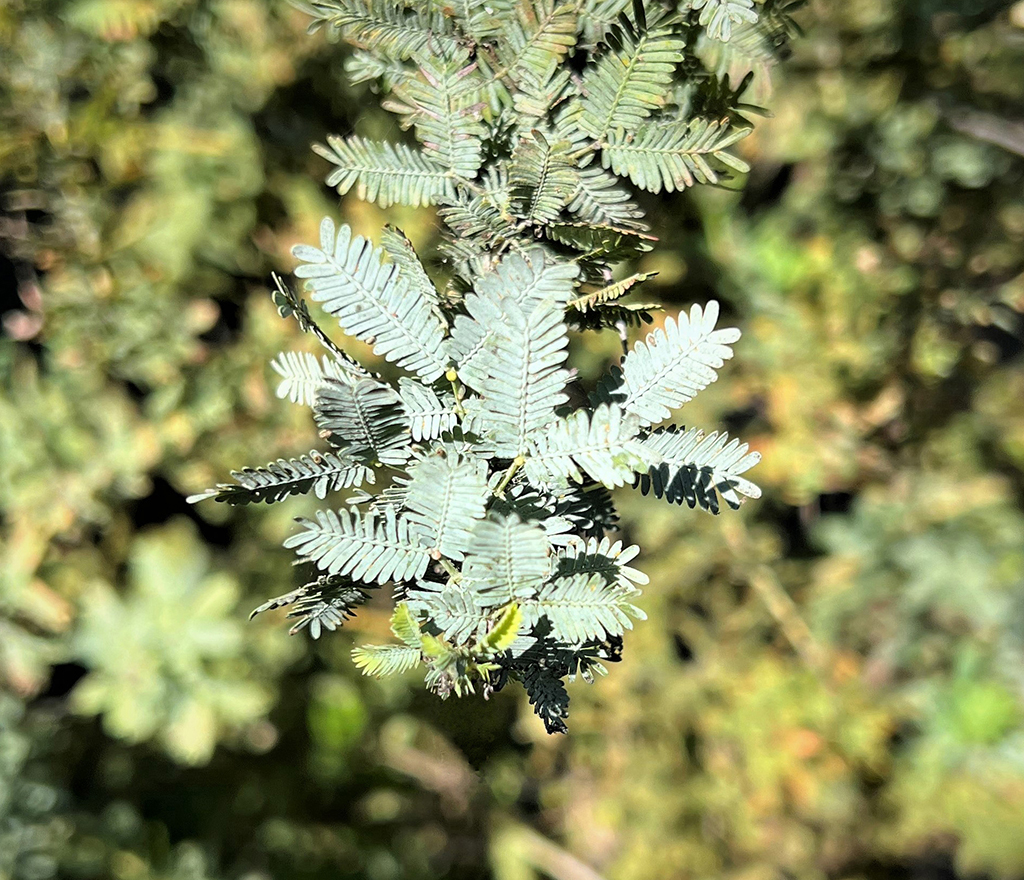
(602, 445)
(509, 560)
(406, 627)
(444, 102)
(601, 556)
(513, 356)
(535, 41)
(364, 419)
(371, 548)
(322, 604)
(591, 299)
(451, 608)
(318, 472)
(672, 365)
(581, 607)
(372, 301)
(698, 469)
(717, 17)
(428, 413)
(382, 660)
(676, 155)
(385, 173)
(504, 632)
(630, 81)
(599, 200)
(446, 497)
(302, 374)
(389, 27)
(542, 178)
(399, 250)
(547, 695)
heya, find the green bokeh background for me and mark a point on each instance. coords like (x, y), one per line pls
(830, 683)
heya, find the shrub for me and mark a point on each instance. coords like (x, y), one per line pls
(491, 467)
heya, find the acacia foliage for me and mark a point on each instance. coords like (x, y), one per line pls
(521, 122)
(915, 586)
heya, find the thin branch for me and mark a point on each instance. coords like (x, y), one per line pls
(783, 609)
(546, 856)
(991, 129)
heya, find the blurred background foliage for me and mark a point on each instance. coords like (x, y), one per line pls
(830, 685)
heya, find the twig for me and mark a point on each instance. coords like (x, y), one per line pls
(517, 462)
(985, 127)
(546, 856)
(762, 580)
